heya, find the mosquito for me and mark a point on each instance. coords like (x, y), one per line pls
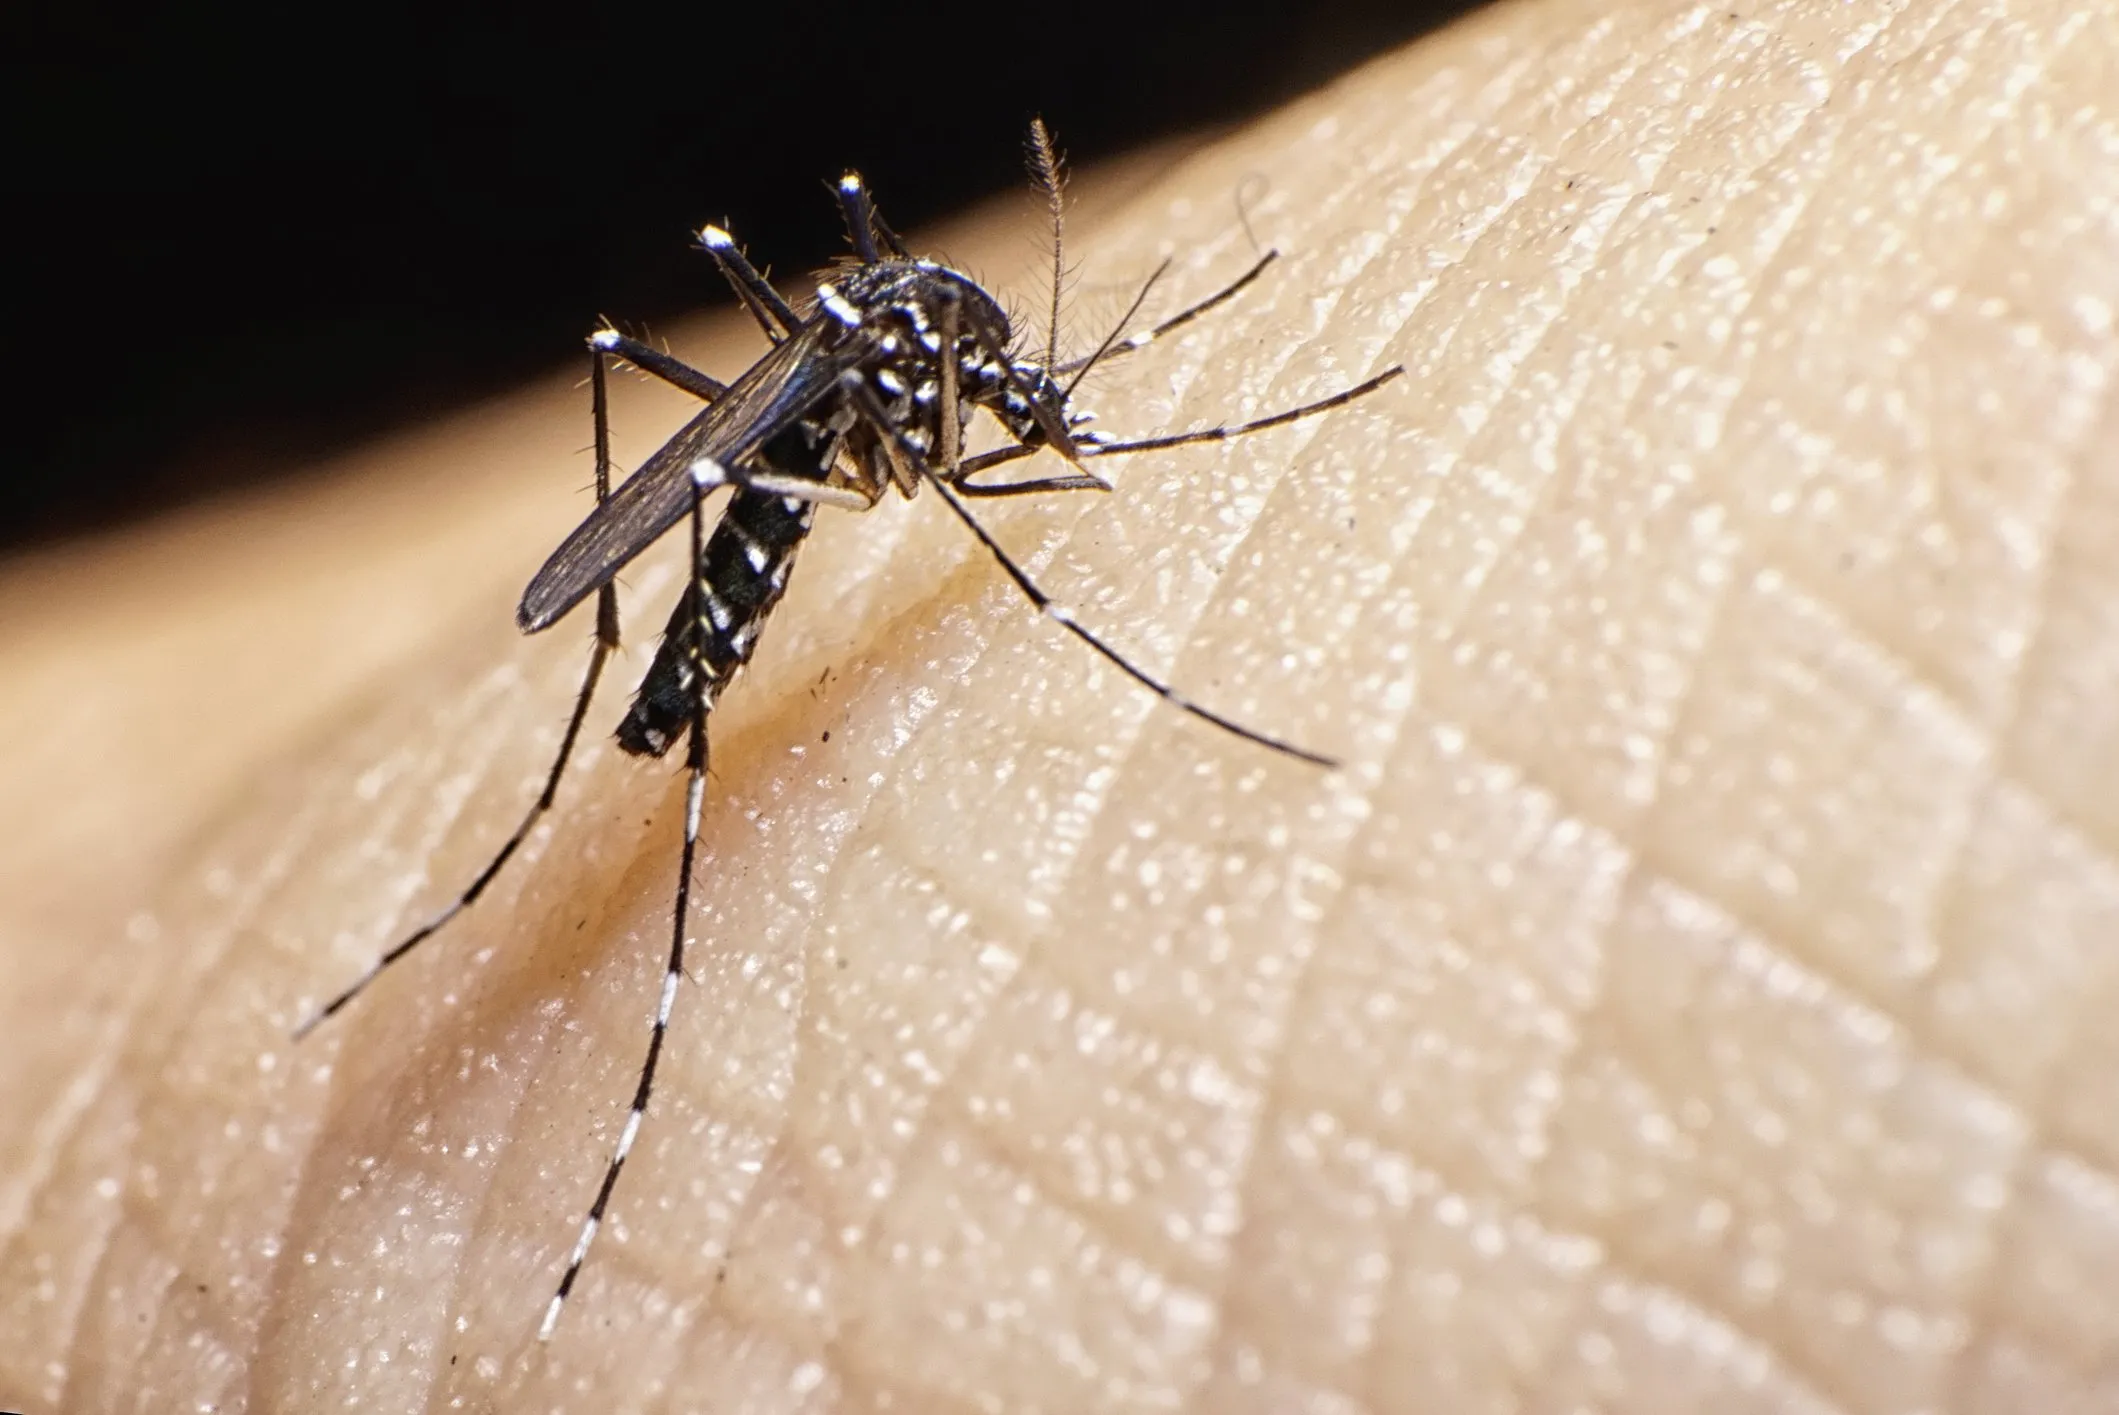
(868, 388)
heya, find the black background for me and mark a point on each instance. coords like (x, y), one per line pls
(257, 238)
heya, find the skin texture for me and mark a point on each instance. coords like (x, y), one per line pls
(1689, 996)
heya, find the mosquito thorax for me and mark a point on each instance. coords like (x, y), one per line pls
(901, 308)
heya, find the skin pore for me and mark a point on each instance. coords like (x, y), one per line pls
(1686, 997)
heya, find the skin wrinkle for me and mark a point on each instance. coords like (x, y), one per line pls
(1270, 1092)
(1039, 560)
(1985, 1316)
(1662, 864)
(1755, 1072)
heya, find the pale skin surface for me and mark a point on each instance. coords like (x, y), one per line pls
(1691, 995)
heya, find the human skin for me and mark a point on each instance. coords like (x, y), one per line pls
(1688, 995)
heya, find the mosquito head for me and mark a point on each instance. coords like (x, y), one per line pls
(1033, 401)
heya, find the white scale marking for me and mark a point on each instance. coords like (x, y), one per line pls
(837, 306)
(588, 1236)
(694, 794)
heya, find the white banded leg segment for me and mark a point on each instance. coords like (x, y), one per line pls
(605, 643)
(872, 410)
(559, 1298)
(772, 313)
(706, 474)
(1229, 430)
(1064, 617)
(709, 474)
(1113, 346)
(649, 359)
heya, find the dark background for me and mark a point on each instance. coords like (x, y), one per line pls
(255, 239)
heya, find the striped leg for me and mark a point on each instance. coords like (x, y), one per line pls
(600, 353)
(986, 461)
(705, 476)
(1114, 346)
(873, 411)
(773, 314)
(609, 343)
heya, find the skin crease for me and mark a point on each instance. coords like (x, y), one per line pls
(1687, 997)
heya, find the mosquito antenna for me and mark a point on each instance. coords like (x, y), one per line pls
(1050, 174)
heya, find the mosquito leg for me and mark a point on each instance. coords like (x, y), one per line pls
(1080, 367)
(1086, 481)
(864, 223)
(606, 642)
(773, 314)
(1073, 481)
(947, 421)
(860, 217)
(1113, 346)
(649, 359)
(1223, 434)
(709, 474)
(972, 466)
(703, 685)
(872, 411)
(1064, 617)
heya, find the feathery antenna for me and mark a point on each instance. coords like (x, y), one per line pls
(1050, 174)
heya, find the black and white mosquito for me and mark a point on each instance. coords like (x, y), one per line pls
(868, 388)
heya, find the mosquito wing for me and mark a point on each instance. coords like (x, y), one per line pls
(782, 386)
